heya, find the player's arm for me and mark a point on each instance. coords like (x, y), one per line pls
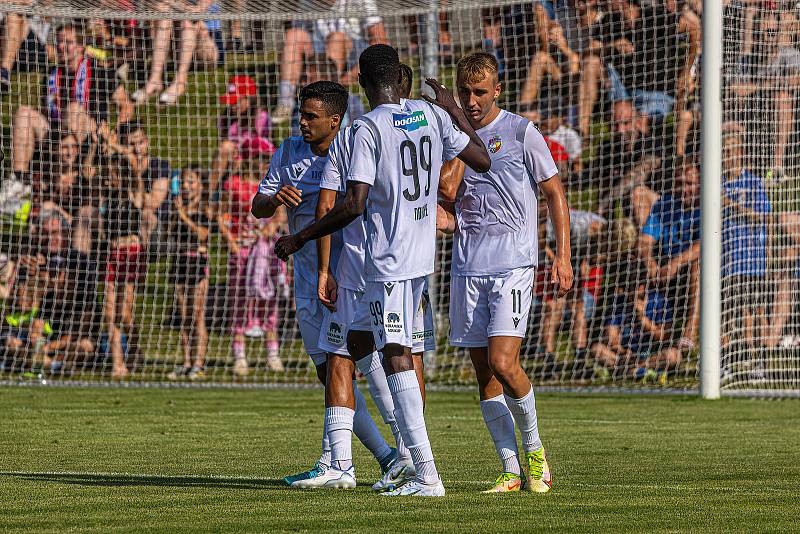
(342, 214)
(561, 270)
(450, 179)
(474, 154)
(326, 287)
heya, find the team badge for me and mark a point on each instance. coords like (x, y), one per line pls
(495, 143)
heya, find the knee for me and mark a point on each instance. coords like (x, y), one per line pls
(295, 36)
(503, 367)
(592, 64)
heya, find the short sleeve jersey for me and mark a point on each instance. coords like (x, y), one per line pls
(294, 164)
(497, 211)
(744, 241)
(398, 149)
(350, 269)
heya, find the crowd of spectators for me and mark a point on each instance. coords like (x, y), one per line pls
(612, 84)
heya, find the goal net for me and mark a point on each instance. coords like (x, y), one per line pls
(135, 134)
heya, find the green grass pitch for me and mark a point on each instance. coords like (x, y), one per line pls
(211, 460)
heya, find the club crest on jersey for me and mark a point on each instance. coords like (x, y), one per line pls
(495, 143)
(410, 122)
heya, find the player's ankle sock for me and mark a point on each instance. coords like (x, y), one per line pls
(524, 412)
(272, 347)
(325, 457)
(339, 421)
(372, 369)
(408, 412)
(286, 93)
(500, 423)
(366, 430)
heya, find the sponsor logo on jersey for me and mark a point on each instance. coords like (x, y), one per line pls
(393, 323)
(410, 122)
(516, 321)
(335, 334)
(495, 143)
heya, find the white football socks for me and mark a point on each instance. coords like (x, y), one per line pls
(409, 414)
(325, 458)
(372, 369)
(524, 412)
(339, 421)
(365, 429)
(500, 423)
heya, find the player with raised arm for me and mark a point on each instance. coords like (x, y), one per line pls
(293, 181)
(397, 154)
(494, 262)
(341, 291)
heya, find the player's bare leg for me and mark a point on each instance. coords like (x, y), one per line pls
(499, 422)
(503, 360)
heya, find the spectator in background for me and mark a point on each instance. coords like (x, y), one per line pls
(240, 232)
(636, 340)
(767, 81)
(339, 38)
(244, 129)
(189, 226)
(648, 54)
(70, 304)
(24, 331)
(127, 260)
(196, 43)
(8, 271)
(77, 97)
(557, 65)
(67, 185)
(746, 289)
(23, 44)
(669, 246)
(266, 284)
(628, 158)
(553, 125)
(153, 172)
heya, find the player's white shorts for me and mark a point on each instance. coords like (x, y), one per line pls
(487, 306)
(336, 324)
(398, 312)
(309, 318)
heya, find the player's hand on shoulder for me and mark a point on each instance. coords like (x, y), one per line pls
(561, 275)
(443, 97)
(289, 196)
(288, 245)
(327, 289)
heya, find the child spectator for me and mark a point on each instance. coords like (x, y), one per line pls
(240, 232)
(189, 226)
(244, 129)
(637, 334)
(266, 283)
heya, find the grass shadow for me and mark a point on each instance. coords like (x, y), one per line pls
(121, 480)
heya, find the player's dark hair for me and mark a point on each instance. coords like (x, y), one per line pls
(380, 65)
(406, 80)
(332, 95)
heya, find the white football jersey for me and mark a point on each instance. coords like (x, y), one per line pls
(399, 149)
(497, 211)
(350, 268)
(294, 164)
